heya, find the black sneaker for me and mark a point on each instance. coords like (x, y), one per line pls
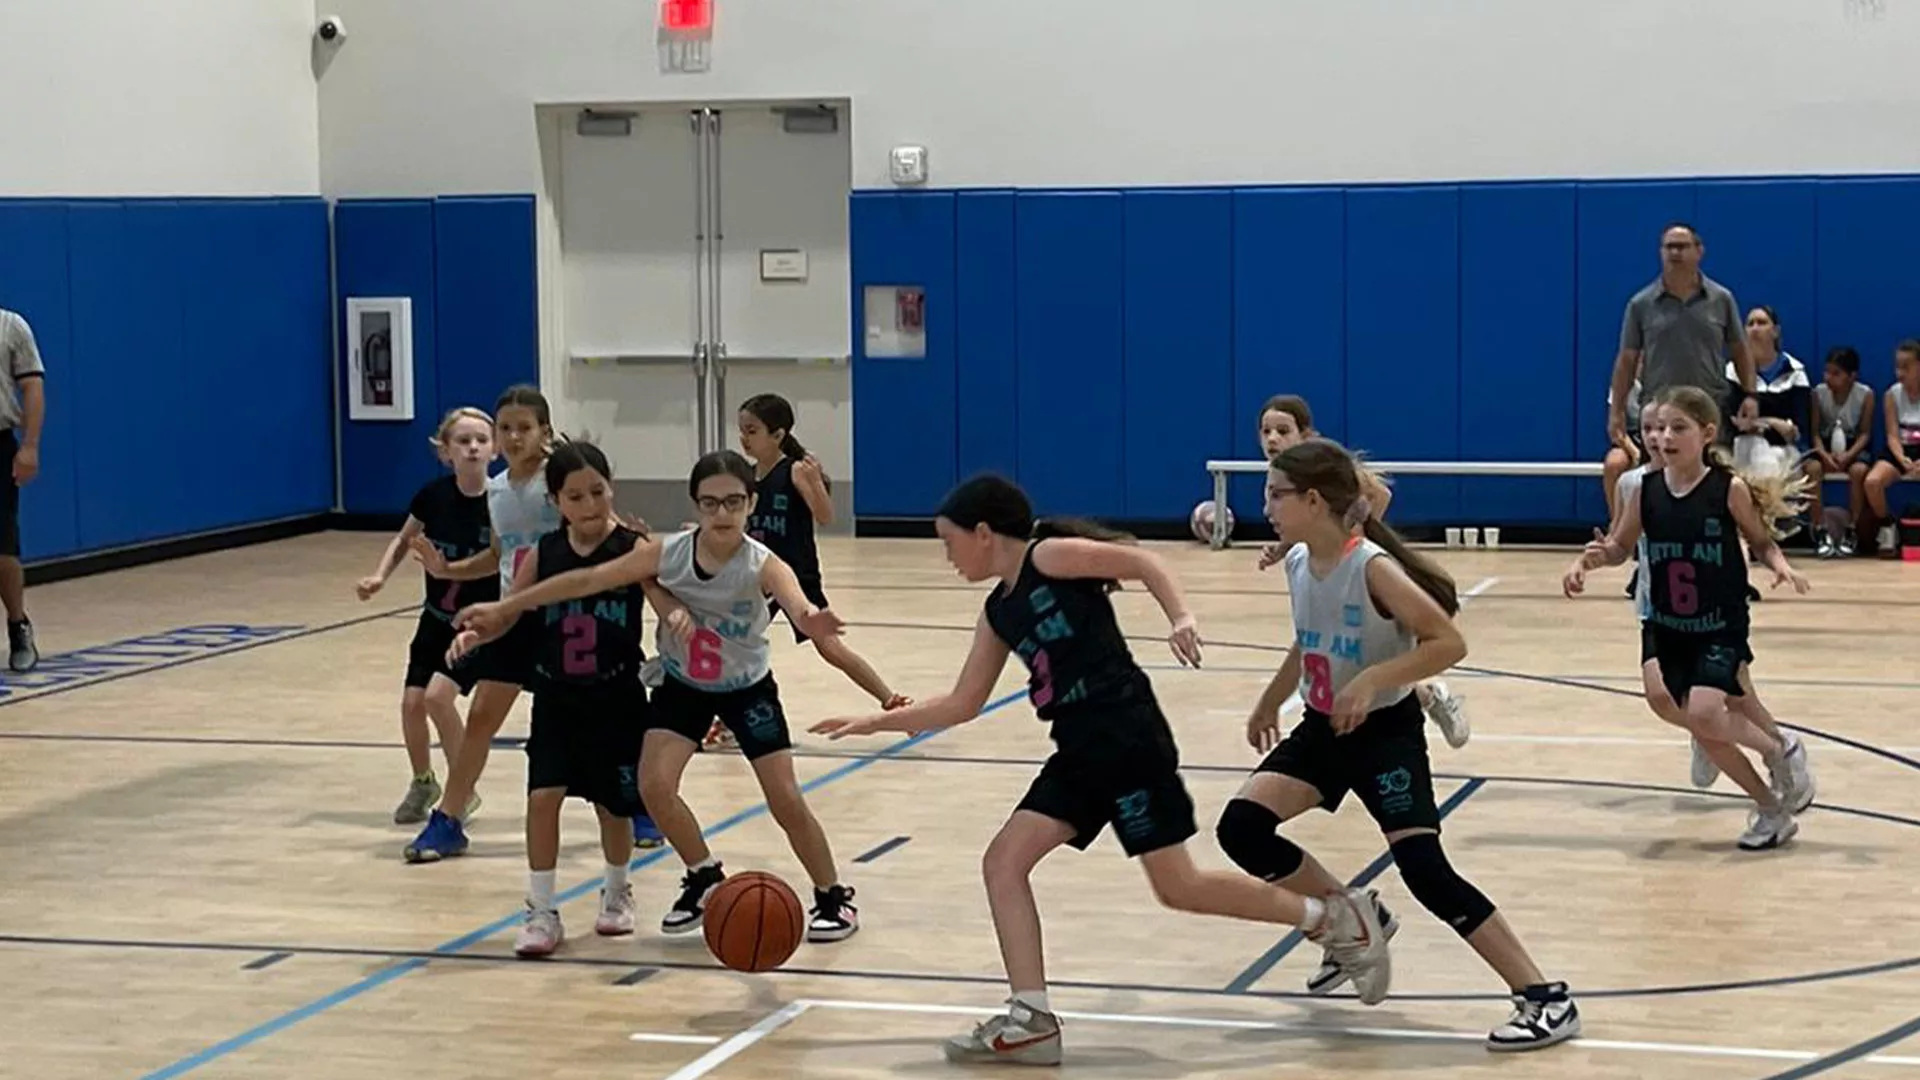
(22, 654)
(1542, 1015)
(685, 914)
(834, 917)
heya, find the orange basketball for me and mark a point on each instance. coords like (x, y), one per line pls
(754, 922)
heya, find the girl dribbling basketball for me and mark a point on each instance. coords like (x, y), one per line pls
(1115, 762)
(1286, 420)
(450, 513)
(589, 708)
(714, 656)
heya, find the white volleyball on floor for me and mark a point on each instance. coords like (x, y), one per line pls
(1201, 521)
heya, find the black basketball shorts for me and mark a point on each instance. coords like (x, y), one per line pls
(1383, 761)
(586, 739)
(1690, 660)
(753, 714)
(427, 655)
(1126, 773)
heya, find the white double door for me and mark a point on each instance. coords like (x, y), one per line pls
(704, 259)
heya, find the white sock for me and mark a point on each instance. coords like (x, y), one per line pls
(1315, 917)
(704, 863)
(1033, 999)
(540, 889)
(616, 878)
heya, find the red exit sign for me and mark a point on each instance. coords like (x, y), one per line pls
(686, 16)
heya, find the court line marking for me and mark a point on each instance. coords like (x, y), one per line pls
(504, 959)
(726, 1051)
(380, 978)
(661, 1037)
(1265, 962)
(881, 849)
(27, 694)
(1860, 1051)
(1425, 1034)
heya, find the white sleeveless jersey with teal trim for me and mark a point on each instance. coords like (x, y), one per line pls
(1337, 628)
(729, 648)
(521, 514)
(1631, 482)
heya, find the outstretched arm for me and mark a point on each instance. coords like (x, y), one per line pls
(985, 660)
(635, 567)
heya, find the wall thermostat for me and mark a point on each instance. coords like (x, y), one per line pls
(909, 165)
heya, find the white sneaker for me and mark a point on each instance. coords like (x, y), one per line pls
(1331, 976)
(1448, 713)
(1791, 777)
(1353, 937)
(616, 913)
(1768, 829)
(1705, 772)
(540, 934)
(1542, 1015)
(1020, 1036)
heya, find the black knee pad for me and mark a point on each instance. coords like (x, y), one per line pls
(1433, 882)
(1250, 835)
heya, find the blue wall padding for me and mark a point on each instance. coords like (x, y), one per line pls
(1403, 337)
(986, 289)
(1516, 348)
(1071, 336)
(1178, 341)
(1477, 321)
(904, 429)
(1289, 316)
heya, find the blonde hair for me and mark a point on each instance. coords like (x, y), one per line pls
(454, 416)
(1780, 497)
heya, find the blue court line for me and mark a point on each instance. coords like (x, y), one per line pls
(1258, 969)
(473, 937)
(1852, 1053)
(882, 849)
(24, 694)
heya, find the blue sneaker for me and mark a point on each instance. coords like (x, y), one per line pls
(646, 835)
(442, 838)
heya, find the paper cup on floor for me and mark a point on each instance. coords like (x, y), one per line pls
(1470, 537)
(1453, 538)
(1493, 539)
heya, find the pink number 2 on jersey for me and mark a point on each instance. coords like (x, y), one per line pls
(582, 633)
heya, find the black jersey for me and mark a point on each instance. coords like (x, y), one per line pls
(783, 521)
(596, 638)
(457, 524)
(1695, 566)
(1065, 631)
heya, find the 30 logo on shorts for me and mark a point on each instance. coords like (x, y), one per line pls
(1395, 787)
(763, 720)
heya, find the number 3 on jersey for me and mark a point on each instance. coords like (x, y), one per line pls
(1319, 681)
(703, 656)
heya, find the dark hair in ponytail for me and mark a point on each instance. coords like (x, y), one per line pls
(1000, 505)
(776, 413)
(1325, 466)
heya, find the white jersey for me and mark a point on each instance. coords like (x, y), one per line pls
(520, 514)
(1338, 629)
(729, 648)
(1629, 491)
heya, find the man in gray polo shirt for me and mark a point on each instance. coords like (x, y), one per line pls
(1681, 331)
(23, 407)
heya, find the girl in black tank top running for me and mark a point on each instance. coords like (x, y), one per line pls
(1115, 763)
(792, 493)
(1694, 644)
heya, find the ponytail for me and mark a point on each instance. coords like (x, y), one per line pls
(1425, 573)
(775, 413)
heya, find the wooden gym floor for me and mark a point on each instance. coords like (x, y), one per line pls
(201, 877)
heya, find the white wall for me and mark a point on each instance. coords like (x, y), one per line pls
(436, 95)
(158, 97)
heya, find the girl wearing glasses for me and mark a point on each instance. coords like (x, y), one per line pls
(714, 660)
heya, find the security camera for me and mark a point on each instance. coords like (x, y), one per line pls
(332, 29)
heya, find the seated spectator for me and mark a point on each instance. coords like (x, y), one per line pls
(1770, 442)
(1902, 411)
(1621, 458)
(1841, 434)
